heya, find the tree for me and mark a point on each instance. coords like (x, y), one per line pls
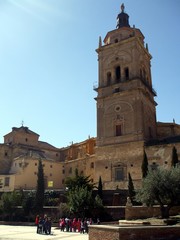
(162, 187)
(28, 203)
(100, 191)
(131, 191)
(79, 180)
(174, 157)
(39, 198)
(79, 200)
(10, 201)
(79, 195)
(144, 166)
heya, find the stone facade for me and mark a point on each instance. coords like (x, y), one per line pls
(126, 126)
(20, 154)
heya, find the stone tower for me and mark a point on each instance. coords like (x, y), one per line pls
(126, 110)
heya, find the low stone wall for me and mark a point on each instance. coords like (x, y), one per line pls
(99, 232)
(116, 212)
(136, 212)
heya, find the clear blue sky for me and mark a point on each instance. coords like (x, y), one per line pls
(48, 63)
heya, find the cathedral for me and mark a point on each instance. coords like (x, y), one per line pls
(126, 126)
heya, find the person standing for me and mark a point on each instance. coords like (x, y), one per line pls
(37, 222)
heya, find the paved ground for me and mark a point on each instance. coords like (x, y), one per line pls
(29, 233)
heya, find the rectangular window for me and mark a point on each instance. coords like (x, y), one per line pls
(118, 130)
(119, 174)
(6, 183)
(118, 74)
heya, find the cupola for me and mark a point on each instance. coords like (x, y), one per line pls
(122, 18)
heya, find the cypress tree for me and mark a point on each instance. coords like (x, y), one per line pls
(39, 199)
(144, 166)
(174, 157)
(100, 191)
(131, 191)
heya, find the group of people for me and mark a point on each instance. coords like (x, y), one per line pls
(43, 224)
(65, 224)
(74, 225)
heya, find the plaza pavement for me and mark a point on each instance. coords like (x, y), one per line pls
(29, 233)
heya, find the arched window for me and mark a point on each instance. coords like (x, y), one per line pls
(119, 173)
(118, 130)
(126, 73)
(118, 74)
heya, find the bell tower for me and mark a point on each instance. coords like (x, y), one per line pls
(126, 110)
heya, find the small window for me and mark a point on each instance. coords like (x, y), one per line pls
(35, 164)
(35, 173)
(7, 180)
(5, 154)
(116, 40)
(50, 166)
(26, 139)
(92, 164)
(119, 174)
(118, 130)
(63, 171)
(50, 174)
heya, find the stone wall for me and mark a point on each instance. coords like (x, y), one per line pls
(99, 232)
(140, 212)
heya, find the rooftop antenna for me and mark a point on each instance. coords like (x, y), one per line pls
(22, 123)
